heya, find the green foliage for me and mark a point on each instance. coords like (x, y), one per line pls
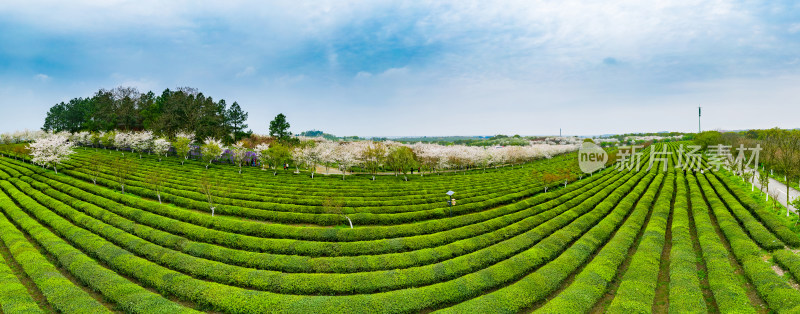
(182, 146)
(775, 291)
(685, 294)
(180, 193)
(508, 247)
(374, 157)
(236, 118)
(276, 156)
(57, 289)
(591, 283)
(317, 133)
(789, 261)
(125, 108)
(14, 297)
(485, 208)
(127, 295)
(401, 159)
(279, 128)
(96, 139)
(72, 116)
(589, 231)
(729, 294)
(210, 152)
(754, 228)
(759, 208)
(230, 293)
(637, 290)
(707, 138)
(108, 139)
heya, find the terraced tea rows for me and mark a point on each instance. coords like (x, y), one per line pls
(615, 241)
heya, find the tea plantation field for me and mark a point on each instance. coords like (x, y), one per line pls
(616, 241)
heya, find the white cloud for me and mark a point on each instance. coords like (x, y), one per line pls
(248, 71)
(287, 80)
(42, 77)
(516, 60)
(395, 72)
(362, 75)
(333, 60)
(141, 83)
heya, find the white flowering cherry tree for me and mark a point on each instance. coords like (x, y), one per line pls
(161, 147)
(325, 153)
(81, 138)
(262, 153)
(302, 155)
(123, 140)
(141, 141)
(345, 156)
(239, 154)
(51, 150)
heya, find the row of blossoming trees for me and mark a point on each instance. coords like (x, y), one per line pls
(372, 157)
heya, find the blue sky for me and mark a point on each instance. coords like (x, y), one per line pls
(391, 68)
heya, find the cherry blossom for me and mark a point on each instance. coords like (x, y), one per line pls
(239, 153)
(123, 140)
(161, 147)
(140, 141)
(345, 156)
(51, 150)
(261, 153)
(212, 149)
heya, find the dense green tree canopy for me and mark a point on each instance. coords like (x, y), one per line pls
(279, 127)
(707, 138)
(125, 108)
(317, 133)
(236, 117)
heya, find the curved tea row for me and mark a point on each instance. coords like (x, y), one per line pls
(507, 246)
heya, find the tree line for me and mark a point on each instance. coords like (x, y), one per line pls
(128, 109)
(779, 157)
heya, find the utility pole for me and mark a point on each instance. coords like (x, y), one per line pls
(699, 114)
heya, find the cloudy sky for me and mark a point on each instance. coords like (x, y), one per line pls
(391, 68)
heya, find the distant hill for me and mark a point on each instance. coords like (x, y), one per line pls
(318, 133)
